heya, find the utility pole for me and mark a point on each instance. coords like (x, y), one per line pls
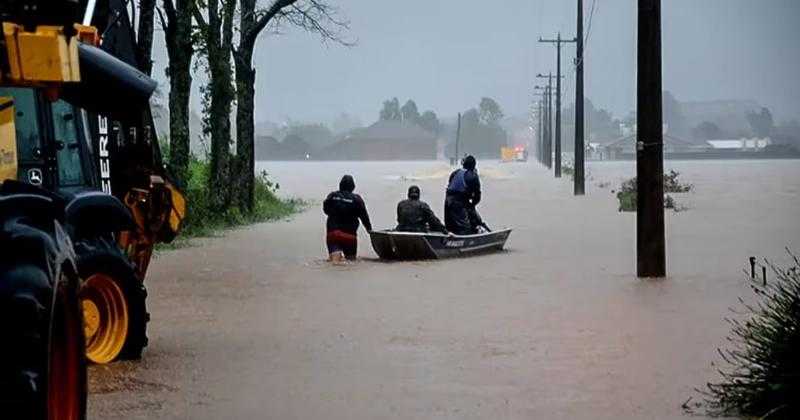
(540, 127)
(549, 157)
(540, 155)
(458, 138)
(650, 247)
(558, 41)
(545, 121)
(579, 185)
(548, 148)
(557, 171)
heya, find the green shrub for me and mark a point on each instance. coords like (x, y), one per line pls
(569, 170)
(762, 376)
(627, 192)
(672, 185)
(202, 220)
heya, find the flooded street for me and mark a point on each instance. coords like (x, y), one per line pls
(254, 324)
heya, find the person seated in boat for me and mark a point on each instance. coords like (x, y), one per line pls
(462, 196)
(415, 215)
(344, 210)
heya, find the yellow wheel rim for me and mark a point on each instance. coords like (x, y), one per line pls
(105, 316)
(91, 318)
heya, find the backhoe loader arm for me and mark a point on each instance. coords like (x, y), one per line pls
(83, 51)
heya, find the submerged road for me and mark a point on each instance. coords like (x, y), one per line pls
(255, 325)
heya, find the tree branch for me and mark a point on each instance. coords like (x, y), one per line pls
(169, 10)
(261, 23)
(228, 10)
(319, 17)
(199, 18)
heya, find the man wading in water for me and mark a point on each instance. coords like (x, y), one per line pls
(344, 209)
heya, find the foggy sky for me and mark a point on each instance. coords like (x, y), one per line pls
(446, 54)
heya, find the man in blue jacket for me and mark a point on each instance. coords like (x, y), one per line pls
(463, 194)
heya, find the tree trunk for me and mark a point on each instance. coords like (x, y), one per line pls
(245, 106)
(245, 129)
(178, 34)
(220, 127)
(218, 43)
(144, 36)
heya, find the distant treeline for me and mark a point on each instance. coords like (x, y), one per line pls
(693, 122)
(401, 132)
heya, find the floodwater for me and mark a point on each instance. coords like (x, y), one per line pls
(255, 325)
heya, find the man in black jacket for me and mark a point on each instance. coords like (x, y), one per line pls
(344, 210)
(463, 194)
(414, 215)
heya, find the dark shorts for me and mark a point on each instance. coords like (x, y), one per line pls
(347, 243)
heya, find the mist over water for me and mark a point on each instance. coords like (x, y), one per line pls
(447, 54)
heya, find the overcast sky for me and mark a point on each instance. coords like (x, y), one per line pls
(446, 54)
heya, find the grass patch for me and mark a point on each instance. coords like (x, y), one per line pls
(761, 370)
(569, 170)
(203, 221)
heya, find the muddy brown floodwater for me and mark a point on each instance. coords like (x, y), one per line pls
(254, 325)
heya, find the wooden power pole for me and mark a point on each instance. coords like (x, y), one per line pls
(540, 135)
(558, 41)
(650, 243)
(458, 139)
(548, 146)
(541, 126)
(579, 185)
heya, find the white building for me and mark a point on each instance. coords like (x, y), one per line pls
(740, 144)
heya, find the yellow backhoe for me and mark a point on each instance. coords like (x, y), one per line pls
(84, 199)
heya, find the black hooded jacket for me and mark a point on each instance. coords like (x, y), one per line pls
(414, 215)
(344, 208)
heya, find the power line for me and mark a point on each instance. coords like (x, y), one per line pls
(589, 25)
(588, 31)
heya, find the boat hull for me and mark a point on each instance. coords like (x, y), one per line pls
(391, 245)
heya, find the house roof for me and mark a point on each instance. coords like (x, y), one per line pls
(739, 143)
(391, 130)
(630, 140)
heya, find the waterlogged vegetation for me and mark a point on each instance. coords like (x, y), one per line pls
(569, 170)
(203, 220)
(761, 370)
(627, 192)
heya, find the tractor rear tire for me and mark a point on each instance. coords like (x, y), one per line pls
(113, 300)
(42, 358)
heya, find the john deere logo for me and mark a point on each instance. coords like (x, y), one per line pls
(105, 162)
(35, 176)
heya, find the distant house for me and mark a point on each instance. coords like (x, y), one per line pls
(625, 148)
(674, 148)
(384, 140)
(292, 147)
(753, 144)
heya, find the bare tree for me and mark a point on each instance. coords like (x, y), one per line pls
(315, 16)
